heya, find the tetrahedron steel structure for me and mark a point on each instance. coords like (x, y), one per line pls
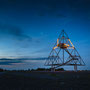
(64, 53)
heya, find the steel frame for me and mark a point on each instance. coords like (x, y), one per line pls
(64, 43)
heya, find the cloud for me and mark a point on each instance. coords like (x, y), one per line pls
(16, 32)
(24, 58)
(17, 37)
(41, 8)
(8, 61)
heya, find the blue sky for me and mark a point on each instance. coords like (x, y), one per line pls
(29, 28)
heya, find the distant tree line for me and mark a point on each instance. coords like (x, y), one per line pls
(38, 69)
(46, 69)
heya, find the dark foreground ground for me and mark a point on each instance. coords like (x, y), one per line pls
(45, 80)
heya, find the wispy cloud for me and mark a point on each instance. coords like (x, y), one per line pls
(8, 61)
(14, 31)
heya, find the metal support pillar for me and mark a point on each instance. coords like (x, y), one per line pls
(75, 68)
(52, 69)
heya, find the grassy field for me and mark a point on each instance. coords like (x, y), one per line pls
(65, 80)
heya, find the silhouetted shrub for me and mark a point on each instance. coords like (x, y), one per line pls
(1, 70)
(60, 69)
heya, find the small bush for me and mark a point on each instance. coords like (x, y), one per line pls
(1, 70)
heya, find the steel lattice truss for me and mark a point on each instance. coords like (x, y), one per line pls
(64, 53)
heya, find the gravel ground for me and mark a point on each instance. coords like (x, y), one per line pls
(45, 80)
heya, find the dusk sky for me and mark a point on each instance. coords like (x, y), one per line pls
(29, 28)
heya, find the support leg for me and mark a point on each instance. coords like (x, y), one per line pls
(75, 68)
